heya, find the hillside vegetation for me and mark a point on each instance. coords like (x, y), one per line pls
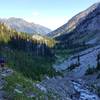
(33, 58)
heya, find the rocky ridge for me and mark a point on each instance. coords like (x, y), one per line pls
(84, 27)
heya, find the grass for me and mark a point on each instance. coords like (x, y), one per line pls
(26, 84)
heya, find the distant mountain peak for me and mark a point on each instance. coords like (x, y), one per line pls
(22, 25)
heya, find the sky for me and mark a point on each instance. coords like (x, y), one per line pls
(49, 13)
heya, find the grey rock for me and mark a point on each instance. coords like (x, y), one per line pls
(3, 95)
(42, 88)
(59, 86)
(7, 72)
(18, 91)
(30, 95)
(69, 89)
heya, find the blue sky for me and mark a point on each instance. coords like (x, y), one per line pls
(50, 13)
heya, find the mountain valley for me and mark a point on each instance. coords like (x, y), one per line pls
(37, 64)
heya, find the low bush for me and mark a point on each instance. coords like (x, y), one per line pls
(90, 71)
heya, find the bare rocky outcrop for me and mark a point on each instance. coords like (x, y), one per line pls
(69, 88)
(88, 59)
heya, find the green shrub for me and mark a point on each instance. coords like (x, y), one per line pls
(98, 91)
(90, 71)
(26, 86)
(98, 77)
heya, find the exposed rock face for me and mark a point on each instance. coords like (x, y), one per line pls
(69, 88)
(24, 26)
(88, 59)
(85, 26)
(58, 86)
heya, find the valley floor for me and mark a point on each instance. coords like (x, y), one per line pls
(56, 88)
(73, 85)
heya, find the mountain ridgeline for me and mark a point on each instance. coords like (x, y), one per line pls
(84, 28)
(21, 25)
